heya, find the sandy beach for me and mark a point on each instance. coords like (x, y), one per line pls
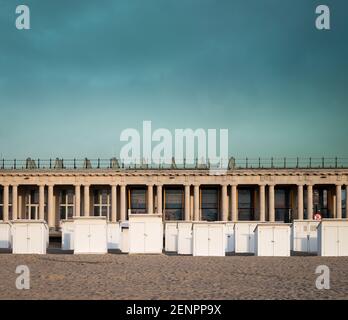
(119, 276)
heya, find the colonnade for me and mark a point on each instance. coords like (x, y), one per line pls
(229, 210)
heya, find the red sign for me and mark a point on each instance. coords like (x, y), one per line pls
(317, 216)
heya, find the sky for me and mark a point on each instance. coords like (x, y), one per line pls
(88, 69)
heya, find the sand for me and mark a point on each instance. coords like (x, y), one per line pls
(120, 276)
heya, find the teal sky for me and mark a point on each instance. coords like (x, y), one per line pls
(86, 70)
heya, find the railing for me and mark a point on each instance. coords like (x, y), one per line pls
(230, 164)
(288, 163)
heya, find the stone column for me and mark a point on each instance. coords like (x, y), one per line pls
(77, 200)
(339, 201)
(86, 201)
(224, 202)
(196, 202)
(123, 202)
(14, 202)
(300, 202)
(309, 202)
(42, 202)
(159, 199)
(113, 203)
(234, 204)
(187, 202)
(262, 203)
(50, 205)
(150, 199)
(6, 203)
(271, 203)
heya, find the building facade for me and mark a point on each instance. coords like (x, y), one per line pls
(255, 194)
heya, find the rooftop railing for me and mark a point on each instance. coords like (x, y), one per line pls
(230, 164)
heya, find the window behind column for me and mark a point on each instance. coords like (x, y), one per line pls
(174, 203)
(282, 205)
(210, 204)
(101, 203)
(2, 204)
(32, 204)
(138, 200)
(245, 204)
(320, 201)
(66, 204)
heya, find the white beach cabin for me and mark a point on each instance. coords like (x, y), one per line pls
(244, 236)
(208, 239)
(29, 236)
(333, 237)
(124, 240)
(5, 235)
(67, 228)
(145, 233)
(272, 239)
(229, 232)
(304, 236)
(90, 235)
(185, 245)
(171, 237)
(113, 235)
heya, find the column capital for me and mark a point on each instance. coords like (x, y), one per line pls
(151, 184)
